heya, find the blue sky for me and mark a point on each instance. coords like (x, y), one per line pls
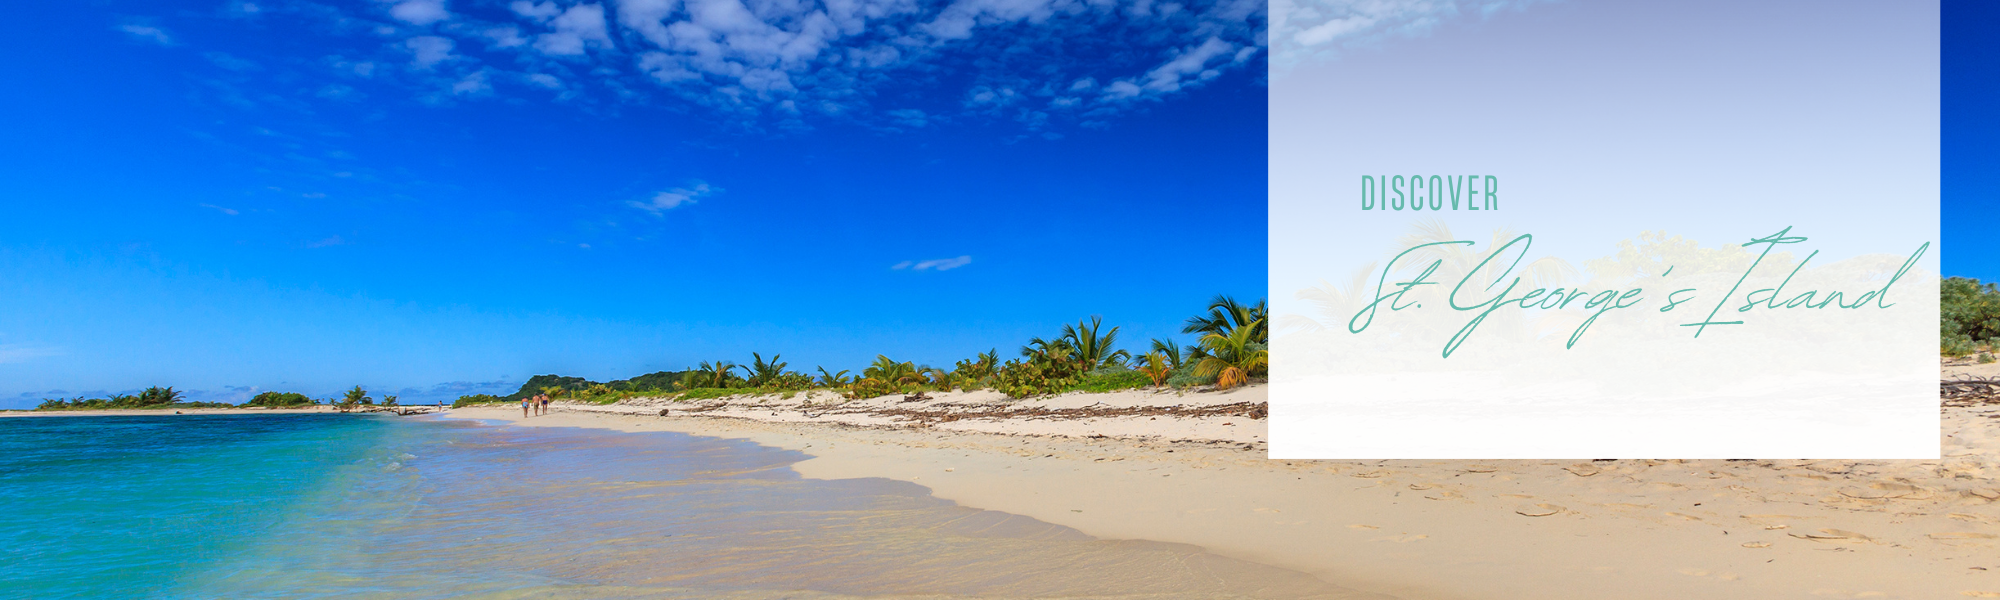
(1971, 140)
(434, 198)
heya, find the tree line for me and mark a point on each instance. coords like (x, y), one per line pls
(1231, 349)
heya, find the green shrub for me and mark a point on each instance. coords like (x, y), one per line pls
(1969, 314)
(1187, 377)
(1109, 380)
(279, 399)
(472, 399)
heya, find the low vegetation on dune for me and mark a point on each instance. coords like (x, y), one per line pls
(1231, 349)
(1970, 315)
(166, 397)
(152, 397)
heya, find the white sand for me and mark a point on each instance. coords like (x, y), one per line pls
(1413, 529)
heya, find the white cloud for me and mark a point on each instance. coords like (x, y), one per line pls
(545, 80)
(148, 33)
(473, 84)
(791, 61)
(579, 27)
(420, 12)
(670, 199)
(504, 37)
(537, 12)
(427, 51)
(226, 211)
(936, 264)
(1189, 66)
(1303, 30)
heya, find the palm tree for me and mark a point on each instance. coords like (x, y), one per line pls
(890, 374)
(1091, 348)
(1234, 357)
(1056, 350)
(937, 378)
(357, 396)
(834, 380)
(713, 375)
(1226, 315)
(157, 396)
(552, 391)
(1459, 259)
(1156, 368)
(1337, 303)
(764, 373)
(1168, 349)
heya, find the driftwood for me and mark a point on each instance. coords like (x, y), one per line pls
(1249, 410)
(1969, 390)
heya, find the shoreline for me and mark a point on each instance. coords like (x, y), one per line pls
(135, 412)
(1416, 530)
(1190, 467)
(131, 412)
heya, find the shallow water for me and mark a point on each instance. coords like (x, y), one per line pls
(300, 506)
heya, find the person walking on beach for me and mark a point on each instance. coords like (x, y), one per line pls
(524, 406)
(545, 405)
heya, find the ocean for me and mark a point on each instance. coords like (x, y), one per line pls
(365, 506)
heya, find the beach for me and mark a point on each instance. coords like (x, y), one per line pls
(1190, 468)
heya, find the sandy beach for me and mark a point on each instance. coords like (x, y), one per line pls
(1190, 468)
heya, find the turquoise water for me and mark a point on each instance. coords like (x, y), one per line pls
(350, 506)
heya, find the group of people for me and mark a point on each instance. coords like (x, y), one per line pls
(537, 404)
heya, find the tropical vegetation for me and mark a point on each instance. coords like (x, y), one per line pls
(1969, 312)
(1230, 350)
(152, 397)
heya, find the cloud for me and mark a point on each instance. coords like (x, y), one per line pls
(427, 51)
(473, 84)
(226, 211)
(148, 33)
(1307, 30)
(20, 353)
(545, 80)
(331, 241)
(910, 117)
(1189, 66)
(1044, 64)
(580, 26)
(937, 264)
(668, 200)
(420, 12)
(538, 12)
(504, 37)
